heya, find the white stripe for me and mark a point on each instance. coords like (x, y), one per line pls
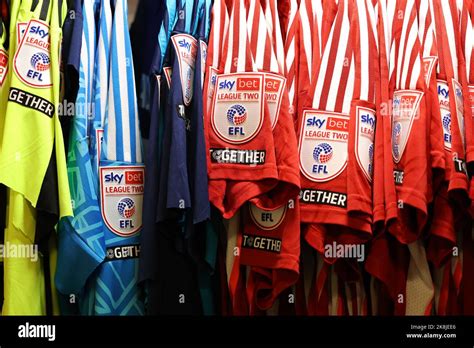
(318, 18)
(451, 36)
(389, 16)
(307, 42)
(230, 40)
(364, 50)
(339, 62)
(346, 104)
(412, 37)
(88, 63)
(123, 86)
(324, 63)
(391, 62)
(422, 14)
(268, 16)
(251, 17)
(290, 55)
(279, 47)
(428, 42)
(109, 138)
(460, 4)
(216, 34)
(372, 21)
(261, 40)
(433, 21)
(469, 46)
(242, 39)
(104, 60)
(415, 73)
(292, 15)
(403, 47)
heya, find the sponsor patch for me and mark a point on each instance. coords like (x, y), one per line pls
(336, 199)
(471, 98)
(123, 252)
(203, 46)
(20, 32)
(459, 100)
(158, 94)
(446, 122)
(186, 49)
(274, 85)
(168, 72)
(99, 136)
(122, 198)
(428, 65)
(235, 156)
(267, 219)
(405, 109)
(32, 62)
(398, 176)
(31, 101)
(261, 243)
(323, 144)
(212, 76)
(364, 146)
(3, 65)
(237, 109)
(445, 112)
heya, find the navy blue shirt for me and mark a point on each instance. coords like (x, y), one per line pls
(143, 35)
(71, 53)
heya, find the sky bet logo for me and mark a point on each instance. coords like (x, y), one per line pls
(315, 122)
(444, 92)
(370, 120)
(132, 177)
(227, 85)
(184, 44)
(241, 84)
(37, 30)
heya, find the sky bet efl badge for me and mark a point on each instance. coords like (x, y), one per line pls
(459, 99)
(32, 61)
(323, 145)
(274, 85)
(364, 146)
(237, 111)
(445, 112)
(3, 66)
(186, 50)
(405, 108)
(122, 198)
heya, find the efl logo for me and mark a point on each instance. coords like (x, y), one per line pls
(134, 177)
(248, 84)
(322, 154)
(237, 115)
(126, 209)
